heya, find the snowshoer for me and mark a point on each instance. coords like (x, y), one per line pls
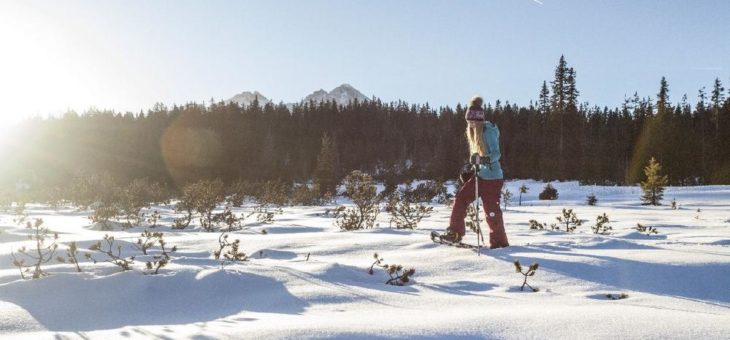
(483, 138)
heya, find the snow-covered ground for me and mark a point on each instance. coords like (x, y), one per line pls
(677, 281)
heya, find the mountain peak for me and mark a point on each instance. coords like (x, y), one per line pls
(246, 98)
(342, 95)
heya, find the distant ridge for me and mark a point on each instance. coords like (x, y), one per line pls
(342, 95)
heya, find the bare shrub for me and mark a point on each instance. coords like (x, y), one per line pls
(41, 254)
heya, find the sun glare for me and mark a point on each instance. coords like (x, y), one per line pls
(42, 73)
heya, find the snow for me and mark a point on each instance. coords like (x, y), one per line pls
(677, 281)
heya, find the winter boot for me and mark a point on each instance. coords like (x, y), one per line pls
(451, 237)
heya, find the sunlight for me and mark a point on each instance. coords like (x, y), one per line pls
(42, 69)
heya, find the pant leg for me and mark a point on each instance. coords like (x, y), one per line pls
(490, 191)
(463, 198)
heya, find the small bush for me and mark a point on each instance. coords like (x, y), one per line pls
(158, 261)
(87, 190)
(304, 195)
(229, 250)
(133, 198)
(71, 256)
(601, 226)
(646, 229)
(404, 211)
(506, 198)
(472, 221)
(206, 195)
(570, 220)
(104, 213)
(591, 199)
(548, 193)
(229, 219)
(153, 218)
(535, 225)
(426, 192)
(398, 276)
(41, 254)
(186, 204)
(125, 263)
(273, 193)
(530, 272)
(361, 190)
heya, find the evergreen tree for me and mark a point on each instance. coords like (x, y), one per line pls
(523, 190)
(653, 187)
(717, 101)
(544, 101)
(325, 175)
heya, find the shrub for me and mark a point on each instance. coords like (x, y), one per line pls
(591, 199)
(601, 226)
(153, 218)
(41, 254)
(158, 261)
(229, 219)
(125, 263)
(273, 193)
(186, 204)
(71, 256)
(207, 195)
(506, 198)
(530, 272)
(134, 197)
(535, 225)
(304, 195)
(646, 229)
(570, 220)
(404, 211)
(238, 192)
(361, 190)
(147, 240)
(426, 192)
(548, 193)
(232, 252)
(86, 190)
(104, 213)
(398, 276)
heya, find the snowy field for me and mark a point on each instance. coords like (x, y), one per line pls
(308, 279)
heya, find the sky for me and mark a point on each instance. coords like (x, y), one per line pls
(128, 55)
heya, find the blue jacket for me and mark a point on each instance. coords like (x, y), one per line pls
(491, 140)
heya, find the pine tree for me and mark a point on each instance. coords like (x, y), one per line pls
(325, 173)
(717, 101)
(523, 190)
(544, 101)
(653, 187)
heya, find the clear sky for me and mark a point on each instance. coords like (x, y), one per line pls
(127, 55)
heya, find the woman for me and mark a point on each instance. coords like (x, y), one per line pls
(483, 137)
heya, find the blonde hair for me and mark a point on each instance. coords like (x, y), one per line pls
(475, 136)
(475, 129)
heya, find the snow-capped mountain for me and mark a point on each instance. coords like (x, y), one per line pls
(342, 95)
(247, 97)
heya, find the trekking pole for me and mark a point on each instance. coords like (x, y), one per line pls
(475, 161)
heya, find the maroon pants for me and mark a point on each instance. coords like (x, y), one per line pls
(490, 191)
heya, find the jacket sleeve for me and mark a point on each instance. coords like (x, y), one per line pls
(491, 138)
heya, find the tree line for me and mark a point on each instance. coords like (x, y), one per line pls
(553, 138)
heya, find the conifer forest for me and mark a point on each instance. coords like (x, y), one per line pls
(556, 137)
